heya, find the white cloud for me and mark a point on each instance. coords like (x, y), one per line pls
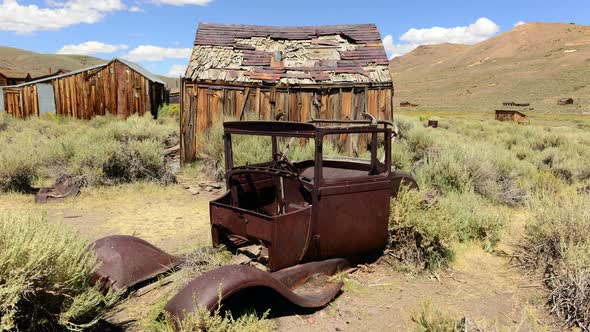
(135, 9)
(91, 47)
(182, 2)
(396, 49)
(481, 30)
(156, 53)
(176, 71)
(519, 23)
(57, 15)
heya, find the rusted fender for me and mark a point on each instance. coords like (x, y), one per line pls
(213, 287)
(400, 179)
(125, 261)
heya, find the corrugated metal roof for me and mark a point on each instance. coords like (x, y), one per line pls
(309, 54)
(132, 65)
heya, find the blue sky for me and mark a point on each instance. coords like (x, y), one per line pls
(159, 33)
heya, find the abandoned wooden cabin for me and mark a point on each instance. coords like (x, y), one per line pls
(511, 115)
(13, 77)
(119, 87)
(258, 72)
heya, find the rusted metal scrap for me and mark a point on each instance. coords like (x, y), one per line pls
(301, 285)
(126, 261)
(62, 189)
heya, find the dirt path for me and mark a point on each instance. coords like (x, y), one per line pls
(481, 286)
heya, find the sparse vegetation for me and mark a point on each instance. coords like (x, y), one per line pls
(432, 319)
(474, 185)
(44, 277)
(103, 151)
(557, 244)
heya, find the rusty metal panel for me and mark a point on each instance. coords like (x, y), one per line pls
(126, 261)
(212, 288)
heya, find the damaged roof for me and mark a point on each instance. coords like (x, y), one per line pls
(10, 73)
(289, 55)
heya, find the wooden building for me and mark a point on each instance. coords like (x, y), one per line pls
(118, 87)
(258, 72)
(13, 77)
(511, 115)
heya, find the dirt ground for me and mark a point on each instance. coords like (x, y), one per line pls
(483, 287)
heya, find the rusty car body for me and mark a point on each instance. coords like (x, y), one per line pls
(309, 210)
(310, 218)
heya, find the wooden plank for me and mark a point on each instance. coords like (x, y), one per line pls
(121, 83)
(244, 104)
(265, 108)
(216, 108)
(305, 103)
(200, 108)
(390, 106)
(345, 114)
(257, 104)
(294, 107)
(324, 106)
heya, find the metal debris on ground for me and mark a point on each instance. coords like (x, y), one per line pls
(208, 187)
(62, 189)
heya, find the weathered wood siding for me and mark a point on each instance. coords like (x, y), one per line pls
(12, 102)
(30, 103)
(203, 105)
(502, 115)
(113, 89)
(86, 94)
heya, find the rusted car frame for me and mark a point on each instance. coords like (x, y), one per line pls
(310, 210)
(310, 218)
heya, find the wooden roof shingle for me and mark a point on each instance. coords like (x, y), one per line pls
(308, 54)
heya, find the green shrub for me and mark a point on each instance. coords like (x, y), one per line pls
(432, 319)
(44, 277)
(203, 320)
(170, 111)
(557, 243)
(420, 232)
(18, 169)
(102, 151)
(474, 218)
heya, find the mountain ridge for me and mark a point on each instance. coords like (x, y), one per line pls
(535, 62)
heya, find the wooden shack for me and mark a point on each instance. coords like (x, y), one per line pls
(511, 115)
(13, 77)
(119, 87)
(258, 72)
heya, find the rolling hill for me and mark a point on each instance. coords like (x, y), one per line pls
(40, 64)
(536, 63)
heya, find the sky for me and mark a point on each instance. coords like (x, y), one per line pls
(158, 34)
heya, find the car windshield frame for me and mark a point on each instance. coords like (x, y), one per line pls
(316, 130)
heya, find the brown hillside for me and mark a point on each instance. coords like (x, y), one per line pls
(535, 62)
(39, 64)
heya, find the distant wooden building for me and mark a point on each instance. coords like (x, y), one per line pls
(13, 77)
(258, 72)
(118, 87)
(565, 101)
(511, 115)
